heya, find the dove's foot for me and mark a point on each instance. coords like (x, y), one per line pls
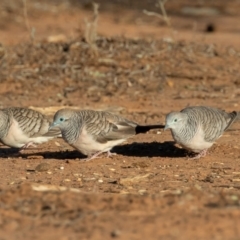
(96, 155)
(110, 154)
(92, 156)
(30, 144)
(203, 153)
(27, 145)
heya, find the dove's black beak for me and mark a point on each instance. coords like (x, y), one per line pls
(52, 125)
(166, 127)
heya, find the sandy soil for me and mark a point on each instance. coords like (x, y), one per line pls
(139, 68)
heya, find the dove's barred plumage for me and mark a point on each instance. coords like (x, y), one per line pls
(22, 127)
(213, 122)
(197, 128)
(97, 123)
(92, 132)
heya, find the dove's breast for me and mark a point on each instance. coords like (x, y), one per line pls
(87, 145)
(196, 144)
(17, 138)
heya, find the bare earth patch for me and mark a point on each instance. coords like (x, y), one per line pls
(140, 69)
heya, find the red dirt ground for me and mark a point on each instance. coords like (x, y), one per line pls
(141, 69)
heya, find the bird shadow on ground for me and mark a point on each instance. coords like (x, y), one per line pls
(150, 149)
(8, 152)
(61, 155)
(135, 149)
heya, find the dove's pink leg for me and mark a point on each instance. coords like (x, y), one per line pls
(203, 153)
(92, 157)
(27, 145)
(109, 154)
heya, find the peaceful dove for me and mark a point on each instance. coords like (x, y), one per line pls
(94, 132)
(23, 127)
(197, 128)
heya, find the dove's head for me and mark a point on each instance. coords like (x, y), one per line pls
(62, 118)
(175, 120)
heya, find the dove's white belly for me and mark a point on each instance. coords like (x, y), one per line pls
(87, 145)
(197, 143)
(17, 138)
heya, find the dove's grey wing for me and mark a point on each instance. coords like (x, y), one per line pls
(104, 126)
(216, 122)
(31, 122)
(53, 132)
(233, 116)
(118, 119)
(213, 121)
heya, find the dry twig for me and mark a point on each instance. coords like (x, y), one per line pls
(30, 30)
(163, 16)
(90, 33)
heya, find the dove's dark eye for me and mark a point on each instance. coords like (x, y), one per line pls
(175, 120)
(61, 119)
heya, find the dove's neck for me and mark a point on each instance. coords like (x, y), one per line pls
(72, 130)
(185, 131)
(5, 123)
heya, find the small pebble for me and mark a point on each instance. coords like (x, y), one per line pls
(142, 191)
(100, 181)
(89, 179)
(234, 198)
(96, 174)
(236, 180)
(113, 181)
(35, 157)
(42, 167)
(115, 233)
(61, 168)
(57, 144)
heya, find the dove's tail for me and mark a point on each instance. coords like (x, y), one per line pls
(238, 115)
(144, 129)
